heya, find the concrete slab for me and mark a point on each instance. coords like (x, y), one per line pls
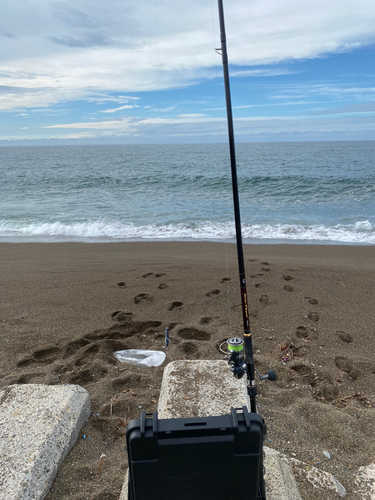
(204, 388)
(207, 388)
(319, 480)
(199, 389)
(365, 482)
(38, 426)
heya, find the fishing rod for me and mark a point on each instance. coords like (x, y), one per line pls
(241, 357)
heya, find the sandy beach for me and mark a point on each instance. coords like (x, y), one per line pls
(66, 307)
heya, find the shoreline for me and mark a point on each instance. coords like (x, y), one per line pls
(66, 307)
(255, 242)
(177, 247)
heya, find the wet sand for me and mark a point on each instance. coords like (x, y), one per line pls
(66, 307)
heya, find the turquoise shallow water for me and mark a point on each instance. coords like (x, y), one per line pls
(289, 192)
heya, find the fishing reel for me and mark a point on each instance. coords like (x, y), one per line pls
(236, 360)
(236, 357)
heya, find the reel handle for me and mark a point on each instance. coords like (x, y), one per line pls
(237, 363)
(271, 375)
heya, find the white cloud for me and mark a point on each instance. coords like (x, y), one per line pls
(80, 135)
(164, 110)
(91, 125)
(360, 108)
(267, 105)
(192, 115)
(207, 129)
(331, 91)
(200, 126)
(61, 51)
(114, 110)
(262, 72)
(120, 99)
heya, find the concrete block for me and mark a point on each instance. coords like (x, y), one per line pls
(207, 388)
(365, 482)
(38, 426)
(199, 389)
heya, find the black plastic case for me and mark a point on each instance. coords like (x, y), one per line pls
(210, 458)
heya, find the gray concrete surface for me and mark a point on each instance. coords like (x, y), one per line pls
(365, 482)
(199, 389)
(207, 388)
(38, 426)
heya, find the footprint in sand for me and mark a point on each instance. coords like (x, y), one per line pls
(288, 288)
(306, 372)
(266, 269)
(214, 292)
(265, 263)
(160, 275)
(314, 316)
(224, 280)
(162, 286)
(302, 332)
(264, 299)
(193, 334)
(253, 260)
(256, 275)
(260, 285)
(73, 346)
(147, 275)
(312, 301)
(122, 284)
(327, 391)
(90, 358)
(141, 297)
(121, 316)
(188, 350)
(45, 356)
(346, 366)
(175, 305)
(345, 337)
(205, 320)
(287, 277)
(27, 377)
(81, 377)
(88, 355)
(132, 381)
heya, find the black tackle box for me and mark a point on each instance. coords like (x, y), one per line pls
(209, 458)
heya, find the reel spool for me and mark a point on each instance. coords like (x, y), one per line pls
(236, 359)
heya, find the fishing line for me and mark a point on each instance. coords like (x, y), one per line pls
(220, 107)
(228, 290)
(157, 52)
(219, 128)
(214, 24)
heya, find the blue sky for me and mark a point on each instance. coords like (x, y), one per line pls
(147, 72)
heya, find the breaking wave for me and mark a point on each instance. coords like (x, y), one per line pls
(362, 232)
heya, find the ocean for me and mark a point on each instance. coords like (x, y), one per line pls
(305, 192)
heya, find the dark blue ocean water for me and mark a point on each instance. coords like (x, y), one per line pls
(289, 192)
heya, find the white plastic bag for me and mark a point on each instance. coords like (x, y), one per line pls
(140, 357)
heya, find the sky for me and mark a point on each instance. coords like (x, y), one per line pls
(125, 72)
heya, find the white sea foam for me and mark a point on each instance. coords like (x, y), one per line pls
(362, 232)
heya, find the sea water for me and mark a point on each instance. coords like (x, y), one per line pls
(289, 192)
